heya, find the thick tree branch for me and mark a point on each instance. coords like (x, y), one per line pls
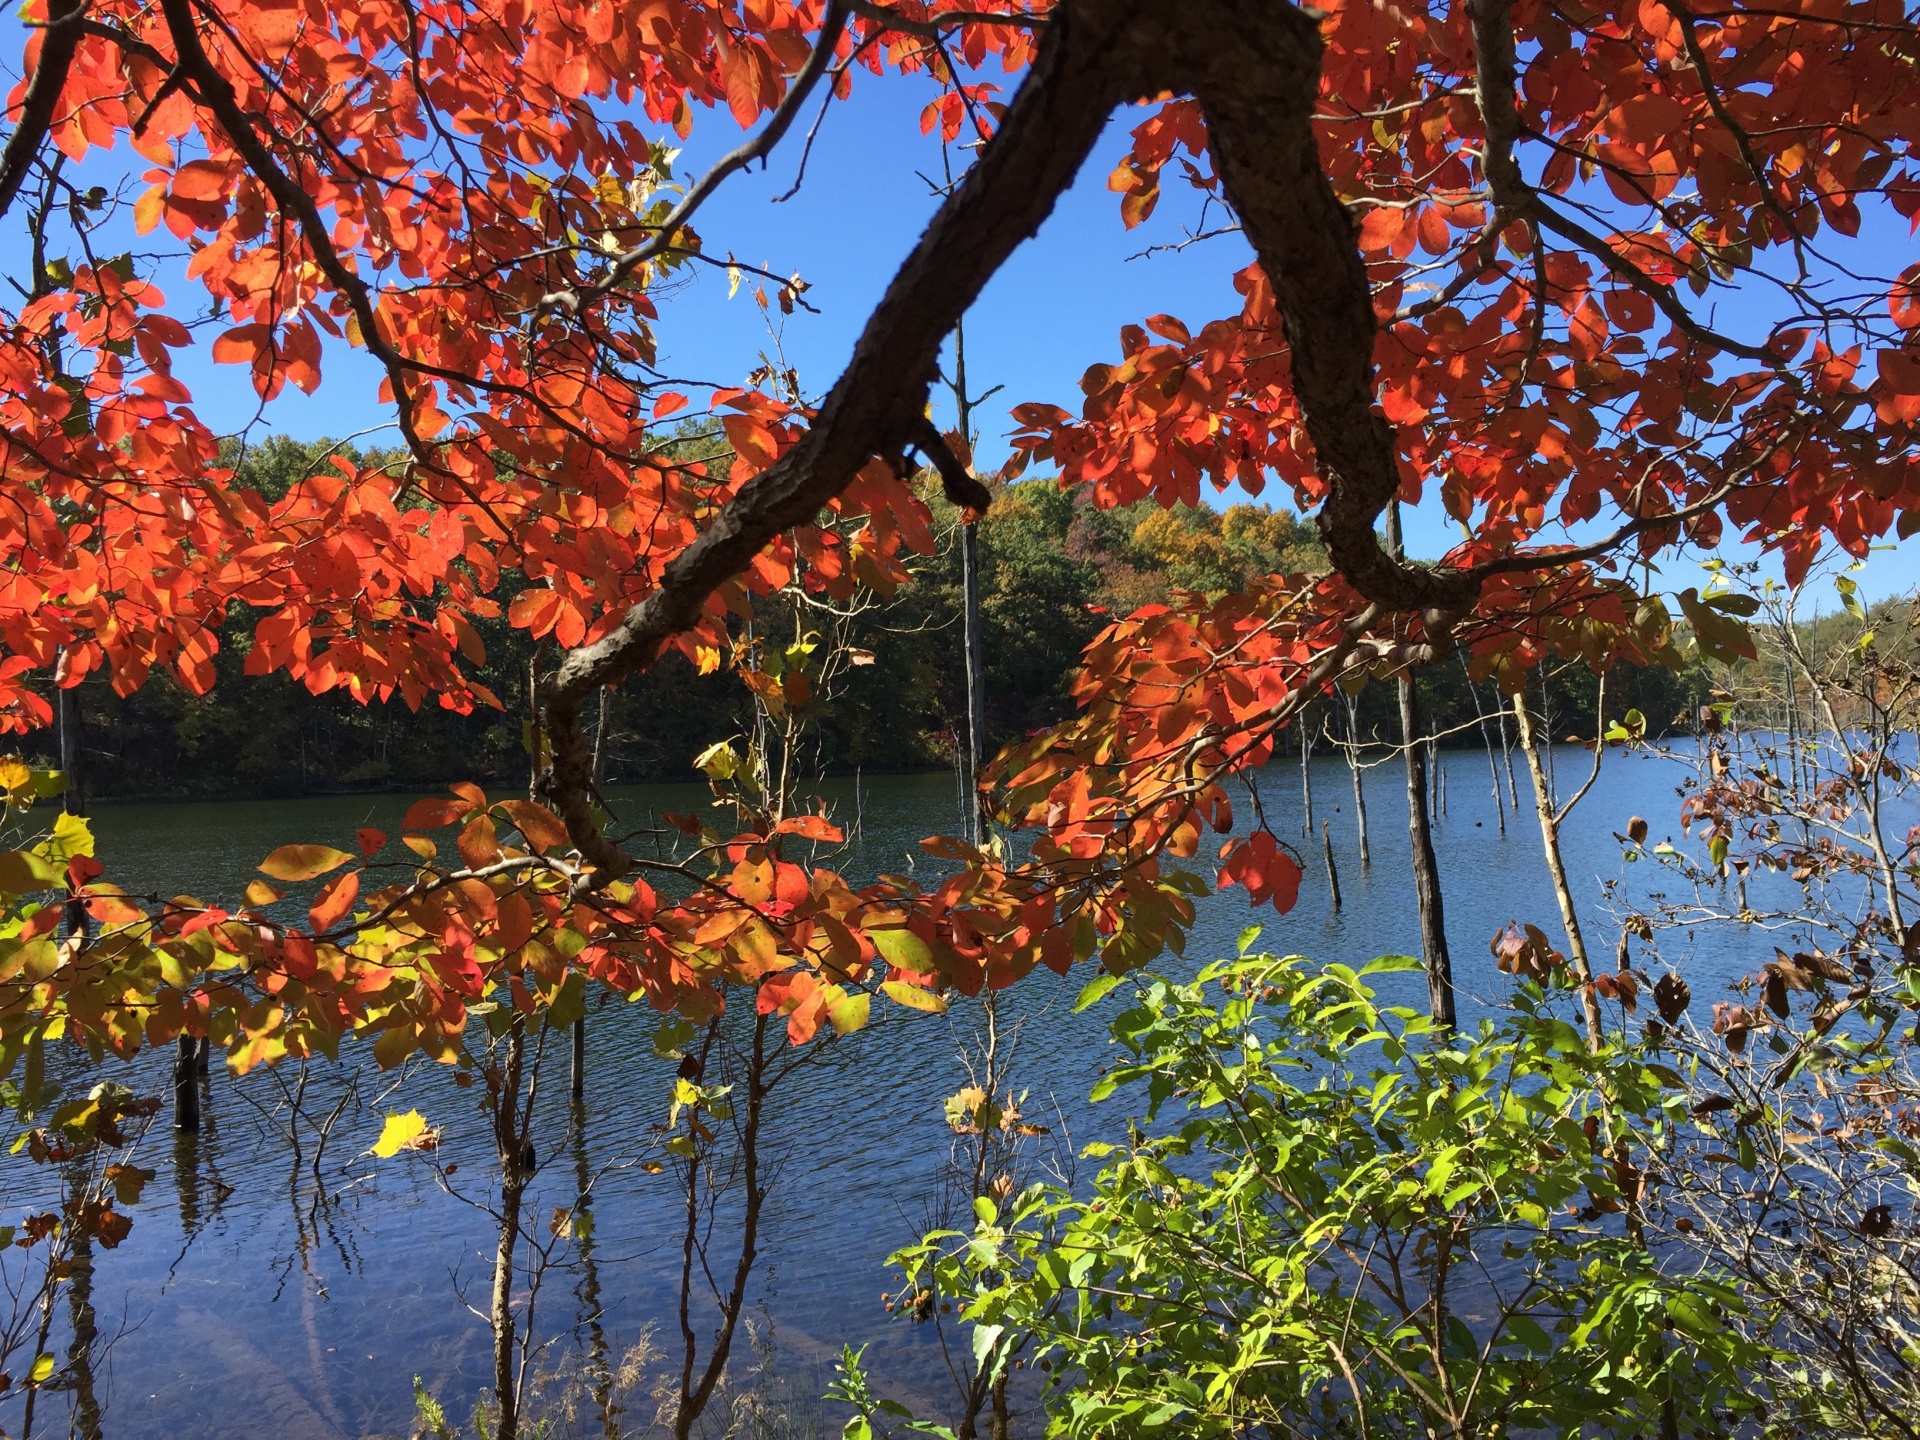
(960, 486)
(1088, 63)
(1255, 68)
(930, 28)
(43, 93)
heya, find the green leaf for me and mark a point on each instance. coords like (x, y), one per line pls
(847, 1011)
(22, 872)
(71, 836)
(985, 1337)
(902, 948)
(913, 997)
(1849, 596)
(1719, 635)
(673, 1033)
(719, 761)
(1390, 964)
(570, 1003)
(1097, 990)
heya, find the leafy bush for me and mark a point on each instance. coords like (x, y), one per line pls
(1355, 1225)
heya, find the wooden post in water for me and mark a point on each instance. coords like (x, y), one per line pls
(1306, 776)
(1437, 959)
(203, 1055)
(580, 1057)
(1443, 791)
(186, 1087)
(1359, 790)
(1333, 875)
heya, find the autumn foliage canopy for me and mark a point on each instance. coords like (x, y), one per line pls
(1611, 281)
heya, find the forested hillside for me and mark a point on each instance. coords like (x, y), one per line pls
(1054, 569)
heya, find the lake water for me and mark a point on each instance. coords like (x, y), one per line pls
(249, 1301)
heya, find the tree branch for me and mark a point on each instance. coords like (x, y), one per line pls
(960, 486)
(63, 32)
(1086, 66)
(832, 27)
(1255, 68)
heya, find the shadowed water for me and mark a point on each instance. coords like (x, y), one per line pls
(254, 1298)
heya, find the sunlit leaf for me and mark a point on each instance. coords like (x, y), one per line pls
(294, 863)
(405, 1132)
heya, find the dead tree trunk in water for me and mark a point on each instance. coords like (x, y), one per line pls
(511, 1144)
(1359, 787)
(1333, 875)
(1486, 736)
(1426, 868)
(1550, 822)
(1306, 776)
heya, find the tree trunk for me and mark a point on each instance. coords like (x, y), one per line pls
(1426, 868)
(578, 1078)
(1486, 736)
(1333, 875)
(1550, 842)
(1306, 776)
(1359, 788)
(186, 1086)
(510, 1144)
(976, 674)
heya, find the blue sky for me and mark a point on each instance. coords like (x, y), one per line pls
(1053, 310)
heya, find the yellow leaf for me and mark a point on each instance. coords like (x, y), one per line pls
(913, 997)
(303, 862)
(15, 775)
(718, 760)
(42, 1368)
(147, 209)
(405, 1132)
(261, 894)
(71, 836)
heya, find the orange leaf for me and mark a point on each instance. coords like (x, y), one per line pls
(240, 345)
(540, 826)
(477, 843)
(336, 897)
(200, 180)
(432, 814)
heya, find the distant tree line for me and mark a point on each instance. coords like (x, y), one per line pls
(1053, 569)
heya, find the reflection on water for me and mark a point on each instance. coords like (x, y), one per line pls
(295, 1286)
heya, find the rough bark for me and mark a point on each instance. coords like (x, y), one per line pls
(1254, 67)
